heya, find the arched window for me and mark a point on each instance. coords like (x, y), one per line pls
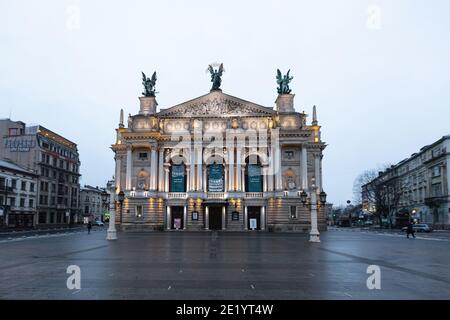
(216, 177)
(178, 179)
(253, 174)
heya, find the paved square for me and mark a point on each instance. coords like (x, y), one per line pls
(216, 265)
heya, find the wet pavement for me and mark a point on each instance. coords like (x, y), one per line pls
(216, 265)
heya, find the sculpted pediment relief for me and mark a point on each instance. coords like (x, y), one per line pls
(216, 104)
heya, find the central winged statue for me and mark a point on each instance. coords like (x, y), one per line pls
(215, 76)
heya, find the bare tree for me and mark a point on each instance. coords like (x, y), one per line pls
(369, 190)
(394, 190)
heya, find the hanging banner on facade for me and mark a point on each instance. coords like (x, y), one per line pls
(215, 178)
(254, 178)
(177, 178)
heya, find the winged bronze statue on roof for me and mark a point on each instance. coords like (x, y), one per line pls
(149, 85)
(283, 82)
(216, 76)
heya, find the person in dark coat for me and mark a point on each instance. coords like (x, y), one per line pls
(89, 227)
(410, 230)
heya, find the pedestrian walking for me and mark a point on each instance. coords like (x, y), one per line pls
(89, 227)
(410, 230)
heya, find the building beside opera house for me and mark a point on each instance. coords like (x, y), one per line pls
(218, 162)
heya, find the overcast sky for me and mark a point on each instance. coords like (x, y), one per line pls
(378, 71)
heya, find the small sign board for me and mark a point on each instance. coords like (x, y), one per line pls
(253, 224)
(194, 215)
(235, 216)
(177, 223)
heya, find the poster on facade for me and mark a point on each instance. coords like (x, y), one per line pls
(178, 178)
(253, 224)
(254, 178)
(177, 223)
(215, 178)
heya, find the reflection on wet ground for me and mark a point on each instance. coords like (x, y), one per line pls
(217, 265)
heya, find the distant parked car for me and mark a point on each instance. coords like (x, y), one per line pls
(98, 223)
(420, 227)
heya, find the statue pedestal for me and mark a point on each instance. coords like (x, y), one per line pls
(285, 102)
(148, 105)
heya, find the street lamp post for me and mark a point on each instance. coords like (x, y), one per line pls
(314, 234)
(105, 204)
(413, 215)
(121, 197)
(111, 233)
(349, 214)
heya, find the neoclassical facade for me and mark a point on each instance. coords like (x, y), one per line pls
(218, 162)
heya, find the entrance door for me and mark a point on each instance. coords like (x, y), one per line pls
(177, 218)
(215, 218)
(254, 218)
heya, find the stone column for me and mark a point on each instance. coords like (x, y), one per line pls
(204, 179)
(192, 165)
(185, 217)
(166, 179)
(161, 170)
(304, 167)
(169, 218)
(206, 218)
(245, 218)
(270, 170)
(188, 179)
(225, 175)
(263, 218)
(224, 217)
(278, 178)
(243, 178)
(199, 169)
(153, 169)
(317, 172)
(118, 174)
(129, 168)
(264, 172)
(231, 169)
(238, 169)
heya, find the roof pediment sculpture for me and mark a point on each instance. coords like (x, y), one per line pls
(216, 104)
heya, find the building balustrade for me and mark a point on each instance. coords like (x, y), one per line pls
(254, 195)
(216, 195)
(177, 195)
(137, 194)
